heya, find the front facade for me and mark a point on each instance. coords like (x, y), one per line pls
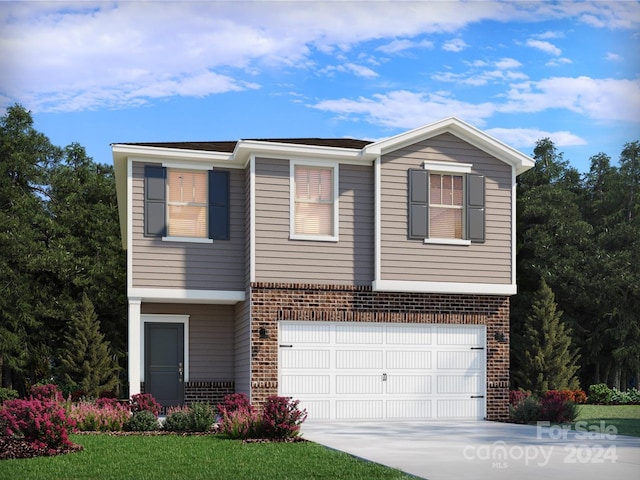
(370, 280)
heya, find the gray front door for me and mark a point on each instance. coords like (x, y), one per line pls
(164, 362)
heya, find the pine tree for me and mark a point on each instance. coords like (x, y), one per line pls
(547, 359)
(87, 363)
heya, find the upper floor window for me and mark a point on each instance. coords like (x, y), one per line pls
(446, 207)
(314, 202)
(187, 203)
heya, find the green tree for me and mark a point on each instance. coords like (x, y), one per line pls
(86, 360)
(547, 359)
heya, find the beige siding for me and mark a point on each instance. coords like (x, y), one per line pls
(211, 338)
(181, 265)
(346, 262)
(412, 260)
(243, 348)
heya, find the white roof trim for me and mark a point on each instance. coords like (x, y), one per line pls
(445, 287)
(460, 129)
(171, 295)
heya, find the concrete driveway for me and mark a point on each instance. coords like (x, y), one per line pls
(479, 450)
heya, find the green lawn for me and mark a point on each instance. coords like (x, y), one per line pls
(625, 418)
(195, 457)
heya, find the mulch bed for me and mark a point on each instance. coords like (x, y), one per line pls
(11, 448)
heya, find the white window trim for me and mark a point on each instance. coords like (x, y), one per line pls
(199, 168)
(449, 168)
(162, 318)
(292, 200)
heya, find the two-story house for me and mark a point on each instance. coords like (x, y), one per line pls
(370, 280)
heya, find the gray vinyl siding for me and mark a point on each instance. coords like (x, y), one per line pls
(191, 266)
(242, 337)
(211, 338)
(279, 259)
(412, 260)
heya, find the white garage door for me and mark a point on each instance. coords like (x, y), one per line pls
(365, 371)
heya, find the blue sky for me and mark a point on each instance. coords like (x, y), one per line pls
(108, 72)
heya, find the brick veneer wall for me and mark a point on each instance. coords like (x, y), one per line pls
(272, 302)
(210, 392)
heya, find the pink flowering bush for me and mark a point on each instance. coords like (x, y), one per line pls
(46, 392)
(233, 402)
(241, 423)
(144, 402)
(42, 423)
(281, 417)
(99, 417)
(516, 397)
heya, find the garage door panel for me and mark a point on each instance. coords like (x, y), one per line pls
(308, 359)
(418, 409)
(403, 360)
(359, 359)
(406, 384)
(451, 384)
(358, 384)
(364, 371)
(305, 384)
(459, 335)
(460, 360)
(408, 335)
(301, 333)
(359, 409)
(359, 334)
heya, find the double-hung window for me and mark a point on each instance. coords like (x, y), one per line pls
(182, 204)
(187, 204)
(314, 202)
(446, 206)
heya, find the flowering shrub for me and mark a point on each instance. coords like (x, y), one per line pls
(110, 402)
(243, 423)
(233, 402)
(43, 423)
(516, 397)
(526, 411)
(94, 417)
(281, 417)
(46, 392)
(575, 396)
(144, 402)
(555, 407)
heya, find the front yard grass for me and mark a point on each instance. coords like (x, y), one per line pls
(108, 457)
(626, 418)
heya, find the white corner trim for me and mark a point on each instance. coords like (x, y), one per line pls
(162, 318)
(450, 167)
(252, 218)
(129, 232)
(513, 225)
(170, 295)
(447, 241)
(336, 200)
(187, 239)
(377, 212)
(444, 287)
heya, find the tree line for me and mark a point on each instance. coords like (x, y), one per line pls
(63, 305)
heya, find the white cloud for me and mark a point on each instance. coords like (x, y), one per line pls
(527, 137)
(358, 70)
(454, 45)
(544, 46)
(613, 57)
(556, 62)
(505, 69)
(404, 109)
(403, 44)
(507, 64)
(550, 34)
(598, 99)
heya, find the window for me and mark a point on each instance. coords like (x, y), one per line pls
(187, 203)
(314, 202)
(446, 207)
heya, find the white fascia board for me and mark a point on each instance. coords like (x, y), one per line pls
(444, 287)
(245, 148)
(171, 295)
(146, 152)
(462, 130)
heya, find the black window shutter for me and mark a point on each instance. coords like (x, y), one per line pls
(475, 208)
(155, 205)
(418, 203)
(219, 204)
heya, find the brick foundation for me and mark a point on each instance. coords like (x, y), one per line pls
(273, 302)
(210, 392)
